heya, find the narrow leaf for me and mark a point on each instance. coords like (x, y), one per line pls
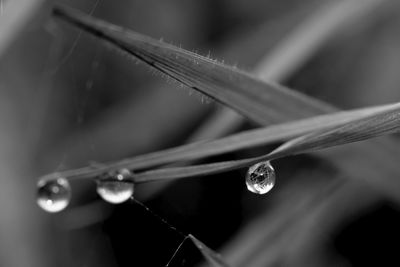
(247, 139)
(386, 122)
(257, 100)
(357, 130)
(251, 138)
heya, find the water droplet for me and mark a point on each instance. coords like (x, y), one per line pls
(116, 187)
(260, 178)
(53, 195)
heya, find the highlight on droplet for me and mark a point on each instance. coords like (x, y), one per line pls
(53, 195)
(260, 178)
(116, 187)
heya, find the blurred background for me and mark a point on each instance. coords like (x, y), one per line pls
(69, 101)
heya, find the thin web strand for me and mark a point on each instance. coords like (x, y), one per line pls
(215, 260)
(177, 250)
(75, 43)
(166, 223)
(158, 217)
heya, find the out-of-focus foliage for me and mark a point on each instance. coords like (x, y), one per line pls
(67, 101)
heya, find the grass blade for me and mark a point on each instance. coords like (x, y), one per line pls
(251, 138)
(386, 122)
(357, 130)
(247, 139)
(249, 96)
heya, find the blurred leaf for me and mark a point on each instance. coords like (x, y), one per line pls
(312, 33)
(14, 20)
(314, 206)
(211, 256)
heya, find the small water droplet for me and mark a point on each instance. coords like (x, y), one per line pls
(53, 195)
(116, 187)
(260, 178)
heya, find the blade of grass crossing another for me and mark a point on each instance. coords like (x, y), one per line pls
(243, 140)
(260, 102)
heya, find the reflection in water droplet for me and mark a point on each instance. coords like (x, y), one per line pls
(260, 178)
(116, 187)
(53, 195)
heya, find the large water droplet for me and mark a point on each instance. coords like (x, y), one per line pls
(260, 178)
(116, 187)
(53, 195)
